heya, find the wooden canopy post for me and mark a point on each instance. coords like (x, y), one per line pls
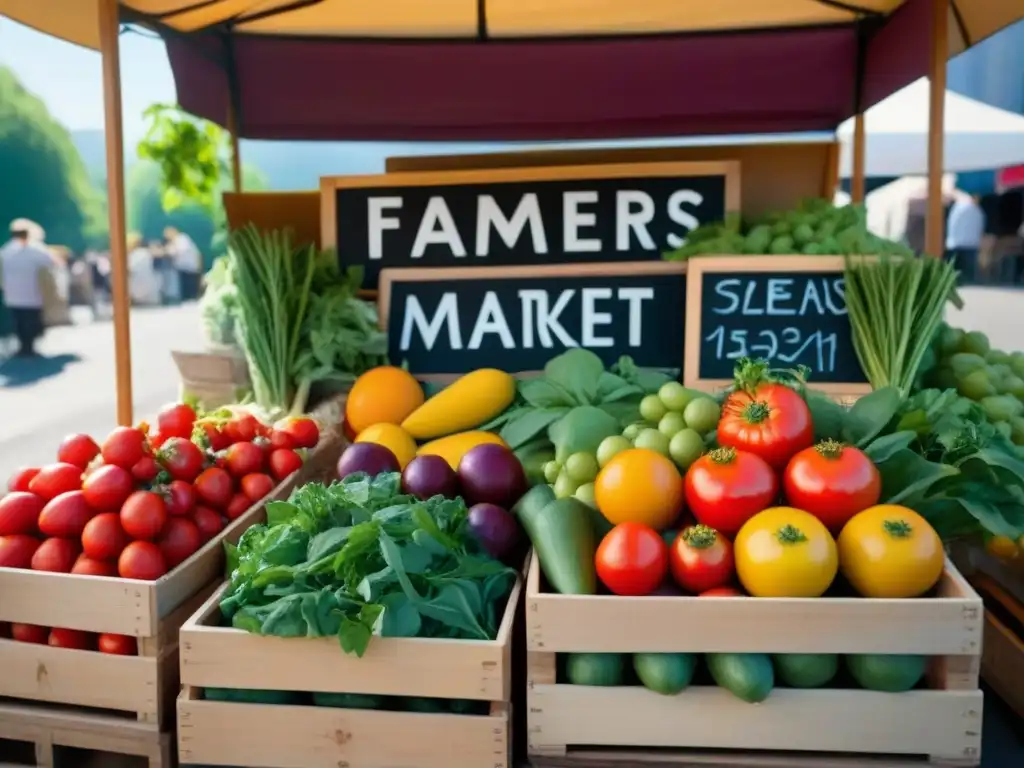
(857, 181)
(110, 27)
(933, 241)
(236, 154)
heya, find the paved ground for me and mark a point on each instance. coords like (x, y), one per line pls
(73, 389)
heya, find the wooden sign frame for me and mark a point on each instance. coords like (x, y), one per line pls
(390, 276)
(329, 185)
(699, 265)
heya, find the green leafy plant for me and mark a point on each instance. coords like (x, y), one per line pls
(358, 558)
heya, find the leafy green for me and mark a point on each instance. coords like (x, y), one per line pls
(574, 405)
(356, 559)
(937, 453)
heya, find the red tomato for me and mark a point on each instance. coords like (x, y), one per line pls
(141, 560)
(182, 459)
(21, 478)
(144, 515)
(72, 638)
(721, 592)
(107, 488)
(701, 559)
(145, 469)
(124, 447)
(283, 462)
(237, 506)
(56, 555)
(726, 487)
(18, 512)
(65, 516)
(257, 485)
(55, 479)
(180, 539)
(176, 420)
(156, 440)
(214, 487)
(632, 559)
(244, 459)
(281, 439)
(833, 482)
(304, 432)
(208, 522)
(17, 550)
(179, 496)
(216, 438)
(766, 418)
(30, 633)
(119, 645)
(89, 566)
(242, 428)
(78, 450)
(104, 537)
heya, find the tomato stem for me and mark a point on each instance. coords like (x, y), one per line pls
(898, 529)
(829, 449)
(725, 455)
(756, 412)
(700, 536)
(790, 534)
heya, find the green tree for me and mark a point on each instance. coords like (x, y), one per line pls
(44, 179)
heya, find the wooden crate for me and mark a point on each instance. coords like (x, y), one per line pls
(151, 611)
(278, 736)
(942, 723)
(1002, 657)
(42, 730)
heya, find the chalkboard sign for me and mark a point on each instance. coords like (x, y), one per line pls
(450, 321)
(790, 310)
(521, 216)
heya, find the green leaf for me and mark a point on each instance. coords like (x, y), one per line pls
(883, 448)
(401, 619)
(827, 416)
(1005, 461)
(577, 372)
(354, 634)
(530, 424)
(907, 476)
(870, 415)
(280, 512)
(545, 393)
(452, 607)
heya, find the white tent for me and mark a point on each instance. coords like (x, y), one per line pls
(978, 137)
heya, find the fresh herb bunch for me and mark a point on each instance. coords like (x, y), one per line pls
(358, 558)
(937, 453)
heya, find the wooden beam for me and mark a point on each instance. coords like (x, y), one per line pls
(933, 239)
(857, 180)
(110, 28)
(236, 153)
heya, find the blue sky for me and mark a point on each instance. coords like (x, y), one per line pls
(68, 78)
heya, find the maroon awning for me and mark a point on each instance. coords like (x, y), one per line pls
(763, 81)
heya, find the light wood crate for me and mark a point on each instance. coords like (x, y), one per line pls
(1002, 658)
(151, 611)
(295, 736)
(576, 725)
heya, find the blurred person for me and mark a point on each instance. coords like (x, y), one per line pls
(143, 282)
(188, 262)
(22, 262)
(965, 226)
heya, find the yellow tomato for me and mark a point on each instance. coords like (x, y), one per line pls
(1002, 547)
(890, 551)
(392, 437)
(785, 552)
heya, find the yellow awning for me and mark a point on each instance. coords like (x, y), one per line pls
(76, 20)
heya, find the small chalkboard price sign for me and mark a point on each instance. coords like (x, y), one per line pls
(521, 216)
(445, 322)
(789, 310)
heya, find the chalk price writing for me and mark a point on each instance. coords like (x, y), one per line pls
(786, 346)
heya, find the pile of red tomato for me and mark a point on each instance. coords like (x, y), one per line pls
(771, 514)
(142, 502)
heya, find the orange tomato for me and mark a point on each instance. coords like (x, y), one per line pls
(382, 395)
(640, 486)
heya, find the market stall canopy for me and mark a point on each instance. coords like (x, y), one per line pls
(978, 136)
(532, 69)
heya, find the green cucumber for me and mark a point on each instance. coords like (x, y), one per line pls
(562, 534)
(604, 669)
(748, 676)
(252, 696)
(806, 670)
(664, 673)
(891, 673)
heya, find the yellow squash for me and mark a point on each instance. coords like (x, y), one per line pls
(464, 404)
(454, 447)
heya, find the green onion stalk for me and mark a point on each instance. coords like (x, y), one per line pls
(895, 306)
(273, 279)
